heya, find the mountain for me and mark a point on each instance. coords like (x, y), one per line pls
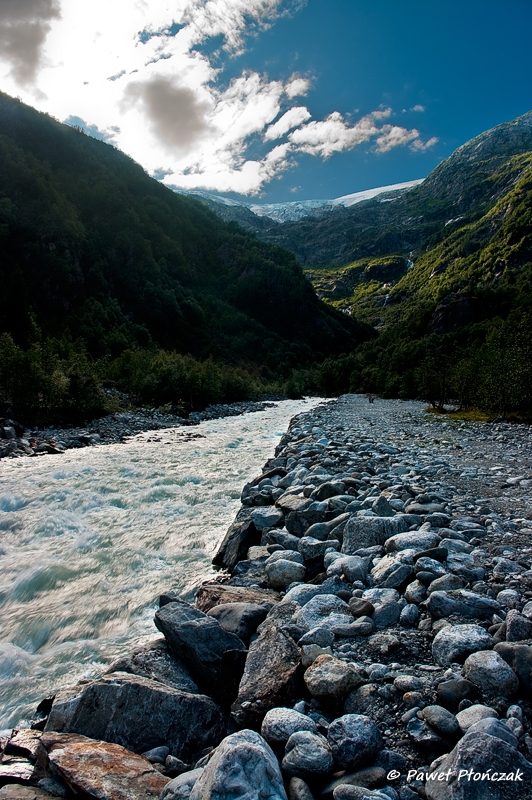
(97, 260)
(292, 211)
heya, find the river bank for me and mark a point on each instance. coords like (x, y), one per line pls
(373, 620)
(17, 441)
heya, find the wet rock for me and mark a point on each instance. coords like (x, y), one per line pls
(100, 769)
(139, 714)
(241, 619)
(180, 788)
(280, 723)
(491, 673)
(242, 535)
(328, 678)
(354, 739)
(243, 765)
(271, 677)
(154, 661)
(454, 643)
(307, 754)
(214, 657)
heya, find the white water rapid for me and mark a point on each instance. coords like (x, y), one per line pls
(89, 539)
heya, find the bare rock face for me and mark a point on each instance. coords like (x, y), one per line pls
(100, 769)
(139, 714)
(369, 531)
(156, 662)
(243, 766)
(14, 791)
(270, 678)
(241, 535)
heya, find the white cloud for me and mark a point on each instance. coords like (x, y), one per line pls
(132, 72)
(418, 107)
(422, 146)
(291, 119)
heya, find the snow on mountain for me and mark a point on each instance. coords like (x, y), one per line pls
(292, 211)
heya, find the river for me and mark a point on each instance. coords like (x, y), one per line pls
(89, 539)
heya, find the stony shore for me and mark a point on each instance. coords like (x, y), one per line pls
(369, 634)
(16, 441)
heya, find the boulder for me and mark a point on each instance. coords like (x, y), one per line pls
(354, 739)
(470, 716)
(440, 719)
(307, 755)
(267, 517)
(319, 609)
(214, 657)
(451, 693)
(491, 673)
(242, 535)
(282, 572)
(180, 788)
(271, 675)
(213, 594)
(139, 714)
(330, 679)
(280, 723)
(154, 661)
(99, 769)
(242, 766)
(519, 658)
(518, 627)
(241, 619)
(14, 791)
(480, 753)
(420, 540)
(369, 531)
(455, 642)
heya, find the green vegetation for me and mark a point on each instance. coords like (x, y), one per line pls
(109, 279)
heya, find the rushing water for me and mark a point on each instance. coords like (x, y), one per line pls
(89, 539)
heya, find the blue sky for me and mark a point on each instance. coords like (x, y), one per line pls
(274, 100)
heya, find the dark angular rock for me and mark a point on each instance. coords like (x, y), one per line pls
(212, 594)
(271, 676)
(242, 619)
(241, 535)
(519, 658)
(451, 693)
(154, 661)
(139, 714)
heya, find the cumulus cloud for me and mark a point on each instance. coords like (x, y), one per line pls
(422, 146)
(138, 74)
(177, 116)
(418, 107)
(291, 119)
(24, 26)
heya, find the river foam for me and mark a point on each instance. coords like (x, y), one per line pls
(89, 539)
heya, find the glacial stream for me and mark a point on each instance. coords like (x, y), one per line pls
(89, 539)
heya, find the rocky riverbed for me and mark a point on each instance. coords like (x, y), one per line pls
(16, 441)
(369, 634)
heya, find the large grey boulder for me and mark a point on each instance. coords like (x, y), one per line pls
(491, 673)
(354, 739)
(307, 754)
(214, 657)
(420, 540)
(139, 714)
(368, 531)
(476, 754)
(323, 610)
(455, 642)
(241, 619)
(156, 662)
(243, 767)
(519, 658)
(271, 675)
(282, 572)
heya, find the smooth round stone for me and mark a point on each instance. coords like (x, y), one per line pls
(491, 673)
(280, 723)
(440, 719)
(282, 573)
(330, 678)
(469, 716)
(360, 607)
(409, 616)
(321, 636)
(409, 683)
(307, 754)
(354, 739)
(415, 592)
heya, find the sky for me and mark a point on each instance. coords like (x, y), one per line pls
(273, 100)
